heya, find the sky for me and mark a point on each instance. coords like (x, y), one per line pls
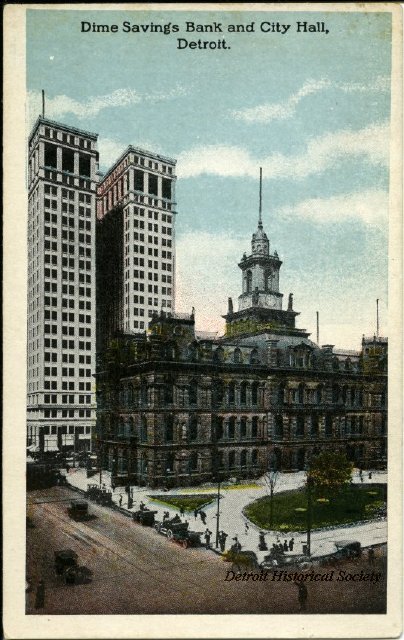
(312, 109)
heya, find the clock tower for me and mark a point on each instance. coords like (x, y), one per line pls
(260, 302)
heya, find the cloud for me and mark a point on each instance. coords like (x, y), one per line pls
(207, 274)
(59, 106)
(371, 207)
(287, 109)
(321, 153)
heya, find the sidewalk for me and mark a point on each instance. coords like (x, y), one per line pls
(232, 521)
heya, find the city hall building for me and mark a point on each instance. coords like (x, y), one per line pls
(177, 407)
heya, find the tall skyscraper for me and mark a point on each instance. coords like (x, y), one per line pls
(62, 176)
(135, 242)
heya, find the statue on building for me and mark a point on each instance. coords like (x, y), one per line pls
(184, 431)
(230, 307)
(290, 303)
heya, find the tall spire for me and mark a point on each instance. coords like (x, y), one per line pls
(260, 205)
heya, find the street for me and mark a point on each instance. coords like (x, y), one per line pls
(137, 571)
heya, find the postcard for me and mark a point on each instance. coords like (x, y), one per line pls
(203, 276)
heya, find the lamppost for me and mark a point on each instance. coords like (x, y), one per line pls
(218, 512)
(309, 483)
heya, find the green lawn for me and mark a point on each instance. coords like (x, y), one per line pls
(188, 502)
(353, 504)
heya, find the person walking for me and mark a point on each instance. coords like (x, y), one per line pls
(222, 541)
(203, 516)
(371, 556)
(285, 546)
(196, 513)
(207, 538)
(291, 544)
(302, 595)
(182, 510)
(120, 499)
(246, 528)
(40, 595)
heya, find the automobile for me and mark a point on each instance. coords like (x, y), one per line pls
(78, 510)
(348, 549)
(187, 538)
(170, 526)
(144, 516)
(93, 491)
(272, 561)
(66, 566)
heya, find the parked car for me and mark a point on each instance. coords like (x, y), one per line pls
(144, 516)
(78, 510)
(66, 566)
(348, 549)
(187, 538)
(169, 527)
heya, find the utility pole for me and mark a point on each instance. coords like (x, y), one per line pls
(218, 513)
(43, 103)
(309, 515)
(318, 328)
(377, 318)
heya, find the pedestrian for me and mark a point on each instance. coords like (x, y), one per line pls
(236, 546)
(291, 544)
(196, 513)
(203, 516)
(285, 546)
(302, 595)
(246, 529)
(40, 595)
(222, 541)
(166, 515)
(141, 506)
(207, 538)
(120, 499)
(371, 555)
(182, 510)
(370, 475)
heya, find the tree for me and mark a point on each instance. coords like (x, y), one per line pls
(329, 472)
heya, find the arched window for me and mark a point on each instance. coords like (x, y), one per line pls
(318, 396)
(300, 426)
(300, 393)
(254, 393)
(217, 392)
(143, 429)
(281, 393)
(232, 392)
(268, 281)
(168, 392)
(254, 427)
(218, 427)
(169, 428)
(170, 460)
(254, 457)
(328, 426)
(193, 461)
(218, 355)
(254, 357)
(237, 356)
(249, 281)
(193, 392)
(232, 427)
(314, 425)
(243, 427)
(193, 428)
(278, 426)
(143, 393)
(232, 459)
(335, 393)
(243, 393)
(243, 458)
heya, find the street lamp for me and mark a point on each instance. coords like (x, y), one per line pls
(218, 512)
(271, 478)
(309, 483)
